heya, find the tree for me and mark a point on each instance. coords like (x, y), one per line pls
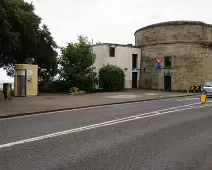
(21, 37)
(45, 55)
(111, 78)
(76, 65)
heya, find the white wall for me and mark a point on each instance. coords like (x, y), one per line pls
(123, 59)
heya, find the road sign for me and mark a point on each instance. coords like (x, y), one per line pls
(204, 92)
(159, 67)
(158, 60)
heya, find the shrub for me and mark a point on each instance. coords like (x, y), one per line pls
(111, 78)
(60, 86)
(53, 86)
(90, 82)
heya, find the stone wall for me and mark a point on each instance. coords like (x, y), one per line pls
(207, 65)
(190, 49)
(174, 32)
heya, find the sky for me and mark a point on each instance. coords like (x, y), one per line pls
(113, 21)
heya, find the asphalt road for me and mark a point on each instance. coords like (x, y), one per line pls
(161, 135)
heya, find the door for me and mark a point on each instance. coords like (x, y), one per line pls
(167, 83)
(21, 84)
(134, 79)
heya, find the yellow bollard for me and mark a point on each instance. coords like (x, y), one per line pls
(203, 98)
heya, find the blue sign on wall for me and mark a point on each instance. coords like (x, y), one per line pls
(158, 67)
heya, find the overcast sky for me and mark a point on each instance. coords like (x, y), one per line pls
(113, 21)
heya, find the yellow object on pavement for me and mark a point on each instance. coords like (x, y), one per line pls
(203, 98)
(73, 90)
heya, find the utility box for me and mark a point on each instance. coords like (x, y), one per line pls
(26, 80)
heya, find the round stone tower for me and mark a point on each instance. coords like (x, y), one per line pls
(186, 51)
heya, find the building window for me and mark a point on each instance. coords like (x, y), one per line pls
(134, 60)
(168, 62)
(112, 51)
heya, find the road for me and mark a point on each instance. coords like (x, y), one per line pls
(173, 134)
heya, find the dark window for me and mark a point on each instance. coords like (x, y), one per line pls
(168, 62)
(112, 51)
(134, 60)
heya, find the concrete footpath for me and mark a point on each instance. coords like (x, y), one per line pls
(46, 102)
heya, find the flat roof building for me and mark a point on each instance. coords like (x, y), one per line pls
(126, 57)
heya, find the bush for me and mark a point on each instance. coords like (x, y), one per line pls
(111, 78)
(53, 86)
(61, 86)
(90, 82)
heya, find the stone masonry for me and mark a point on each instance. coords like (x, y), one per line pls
(187, 43)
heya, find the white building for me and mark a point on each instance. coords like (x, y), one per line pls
(126, 57)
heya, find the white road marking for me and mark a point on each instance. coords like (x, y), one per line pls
(151, 94)
(72, 110)
(108, 123)
(124, 96)
(188, 99)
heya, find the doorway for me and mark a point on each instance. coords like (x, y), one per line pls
(134, 79)
(21, 84)
(167, 83)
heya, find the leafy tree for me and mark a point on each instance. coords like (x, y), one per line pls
(21, 37)
(45, 55)
(76, 65)
(111, 78)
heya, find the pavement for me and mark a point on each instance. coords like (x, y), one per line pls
(169, 134)
(46, 102)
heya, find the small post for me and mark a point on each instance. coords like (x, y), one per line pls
(158, 82)
(92, 67)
